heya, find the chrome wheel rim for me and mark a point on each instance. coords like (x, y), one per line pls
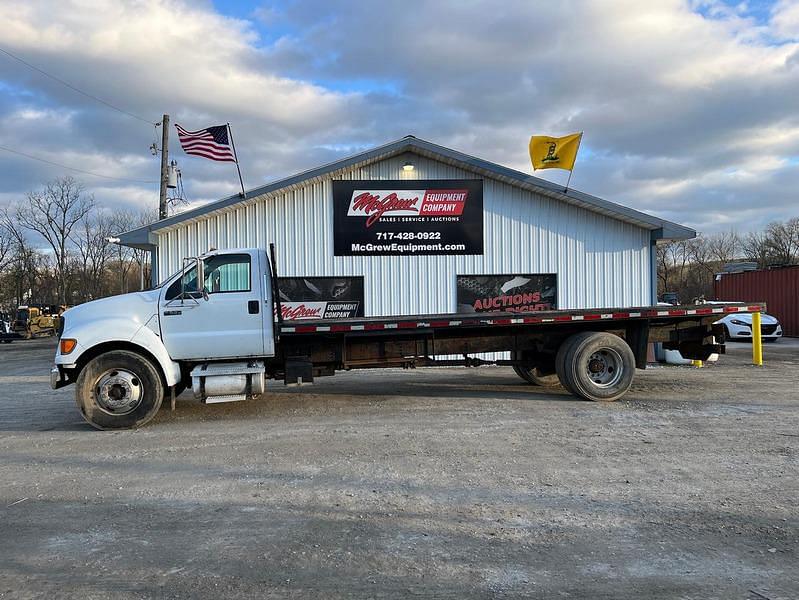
(605, 367)
(118, 391)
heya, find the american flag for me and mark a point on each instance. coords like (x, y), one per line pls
(211, 142)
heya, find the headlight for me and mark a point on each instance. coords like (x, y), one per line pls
(739, 322)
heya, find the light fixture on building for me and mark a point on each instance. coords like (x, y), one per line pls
(408, 166)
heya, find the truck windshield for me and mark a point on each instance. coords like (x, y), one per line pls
(22, 314)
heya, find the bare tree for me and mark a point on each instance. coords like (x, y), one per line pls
(94, 252)
(723, 247)
(6, 245)
(123, 221)
(145, 217)
(53, 213)
(672, 258)
(23, 264)
(783, 241)
(664, 266)
(755, 247)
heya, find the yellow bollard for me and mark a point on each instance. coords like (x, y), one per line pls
(757, 341)
(696, 363)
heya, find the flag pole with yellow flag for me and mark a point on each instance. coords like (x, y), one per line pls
(555, 152)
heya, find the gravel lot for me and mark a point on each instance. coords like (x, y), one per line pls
(438, 482)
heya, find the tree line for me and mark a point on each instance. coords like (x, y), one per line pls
(55, 248)
(689, 267)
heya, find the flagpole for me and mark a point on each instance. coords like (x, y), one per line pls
(236, 156)
(568, 181)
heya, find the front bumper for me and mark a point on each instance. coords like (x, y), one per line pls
(742, 332)
(58, 378)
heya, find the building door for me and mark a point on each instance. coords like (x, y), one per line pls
(228, 322)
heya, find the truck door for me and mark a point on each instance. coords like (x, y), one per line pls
(229, 323)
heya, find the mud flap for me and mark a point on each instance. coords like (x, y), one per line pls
(299, 370)
(637, 337)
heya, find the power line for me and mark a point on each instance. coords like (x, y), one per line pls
(73, 88)
(50, 162)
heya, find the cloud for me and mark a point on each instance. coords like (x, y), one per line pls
(785, 20)
(688, 108)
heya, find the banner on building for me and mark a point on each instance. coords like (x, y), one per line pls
(321, 297)
(402, 217)
(511, 293)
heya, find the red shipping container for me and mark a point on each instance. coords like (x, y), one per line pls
(778, 288)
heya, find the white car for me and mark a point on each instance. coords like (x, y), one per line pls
(738, 326)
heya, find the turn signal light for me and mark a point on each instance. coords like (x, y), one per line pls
(68, 345)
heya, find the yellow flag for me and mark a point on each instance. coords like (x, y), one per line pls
(554, 153)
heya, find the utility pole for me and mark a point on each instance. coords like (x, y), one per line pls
(162, 208)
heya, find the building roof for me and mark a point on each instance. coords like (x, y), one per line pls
(145, 237)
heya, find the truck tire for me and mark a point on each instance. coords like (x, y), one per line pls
(598, 366)
(119, 390)
(562, 356)
(533, 376)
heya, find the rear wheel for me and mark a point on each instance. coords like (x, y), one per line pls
(563, 355)
(534, 376)
(119, 390)
(597, 366)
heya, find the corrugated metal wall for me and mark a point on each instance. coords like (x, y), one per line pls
(600, 262)
(778, 288)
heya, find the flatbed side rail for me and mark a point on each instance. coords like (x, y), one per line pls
(510, 319)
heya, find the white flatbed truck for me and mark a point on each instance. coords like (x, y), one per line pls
(211, 327)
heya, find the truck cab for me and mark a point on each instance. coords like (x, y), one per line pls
(229, 316)
(125, 353)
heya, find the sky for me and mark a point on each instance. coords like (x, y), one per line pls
(689, 107)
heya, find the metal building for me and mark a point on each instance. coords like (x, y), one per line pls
(596, 253)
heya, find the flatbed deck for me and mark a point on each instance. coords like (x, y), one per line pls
(500, 319)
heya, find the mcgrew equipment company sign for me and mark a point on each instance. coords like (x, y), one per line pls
(391, 218)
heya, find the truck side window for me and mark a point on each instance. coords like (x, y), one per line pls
(227, 273)
(223, 273)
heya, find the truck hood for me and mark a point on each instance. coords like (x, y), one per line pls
(747, 318)
(138, 307)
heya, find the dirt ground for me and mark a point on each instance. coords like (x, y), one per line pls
(428, 483)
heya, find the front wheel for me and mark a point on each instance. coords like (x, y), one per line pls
(119, 390)
(727, 336)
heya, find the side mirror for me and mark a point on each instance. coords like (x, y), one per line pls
(199, 267)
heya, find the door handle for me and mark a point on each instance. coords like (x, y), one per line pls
(253, 307)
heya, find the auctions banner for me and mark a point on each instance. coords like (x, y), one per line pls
(401, 217)
(511, 293)
(321, 297)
